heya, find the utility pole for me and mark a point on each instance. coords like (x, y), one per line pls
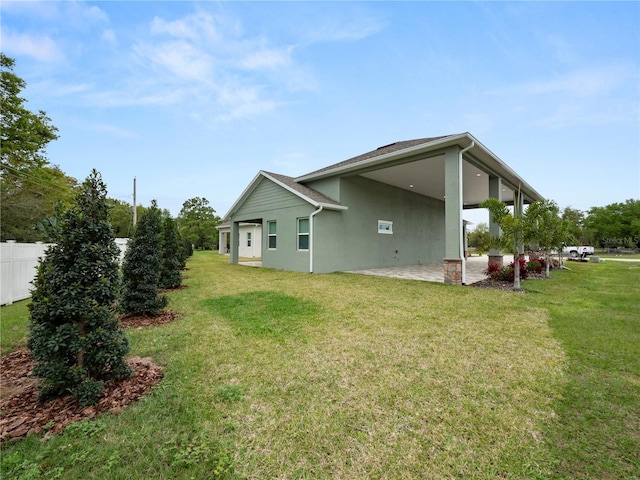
(135, 210)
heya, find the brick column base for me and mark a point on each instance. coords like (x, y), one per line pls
(453, 271)
(499, 259)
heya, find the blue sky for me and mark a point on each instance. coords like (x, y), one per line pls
(194, 98)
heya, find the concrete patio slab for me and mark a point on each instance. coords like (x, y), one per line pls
(430, 273)
(426, 273)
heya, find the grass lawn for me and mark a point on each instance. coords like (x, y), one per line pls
(274, 374)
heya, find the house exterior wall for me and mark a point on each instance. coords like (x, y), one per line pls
(349, 240)
(270, 202)
(327, 186)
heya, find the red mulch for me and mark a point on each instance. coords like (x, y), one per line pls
(21, 414)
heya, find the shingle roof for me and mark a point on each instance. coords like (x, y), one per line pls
(393, 147)
(303, 190)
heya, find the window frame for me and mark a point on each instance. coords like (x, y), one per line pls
(273, 235)
(385, 227)
(300, 235)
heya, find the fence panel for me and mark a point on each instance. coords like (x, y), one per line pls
(18, 262)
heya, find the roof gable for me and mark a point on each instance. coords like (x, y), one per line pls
(307, 194)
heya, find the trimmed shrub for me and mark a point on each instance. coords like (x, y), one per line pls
(141, 267)
(74, 335)
(172, 262)
(536, 265)
(507, 272)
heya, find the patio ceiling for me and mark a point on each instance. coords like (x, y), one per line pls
(426, 177)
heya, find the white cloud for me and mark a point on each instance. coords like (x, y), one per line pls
(351, 28)
(584, 83)
(212, 67)
(126, 97)
(241, 102)
(40, 47)
(109, 36)
(84, 13)
(71, 12)
(267, 58)
(197, 26)
(44, 10)
(180, 59)
(596, 95)
(112, 130)
(52, 89)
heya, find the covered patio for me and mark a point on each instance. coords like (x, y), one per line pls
(426, 273)
(430, 273)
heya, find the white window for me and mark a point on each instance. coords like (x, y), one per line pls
(385, 226)
(248, 239)
(303, 234)
(272, 234)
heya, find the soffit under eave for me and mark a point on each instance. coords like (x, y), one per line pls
(490, 164)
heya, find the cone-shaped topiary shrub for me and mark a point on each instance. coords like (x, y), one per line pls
(187, 250)
(172, 262)
(74, 335)
(141, 267)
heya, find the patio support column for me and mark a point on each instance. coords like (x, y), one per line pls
(495, 191)
(453, 216)
(235, 242)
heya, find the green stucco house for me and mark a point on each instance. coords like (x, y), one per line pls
(401, 204)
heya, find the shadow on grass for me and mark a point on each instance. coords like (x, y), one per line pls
(265, 314)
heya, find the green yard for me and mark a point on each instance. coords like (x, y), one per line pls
(273, 374)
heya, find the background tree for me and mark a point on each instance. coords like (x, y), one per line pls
(121, 217)
(28, 202)
(614, 225)
(74, 335)
(30, 187)
(172, 262)
(479, 238)
(141, 267)
(575, 222)
(197, 223)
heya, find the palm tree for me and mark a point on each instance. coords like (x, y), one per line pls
(546, 228)
(514, 230)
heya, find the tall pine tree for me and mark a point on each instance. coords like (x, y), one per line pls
(141, 267)
(74, 335)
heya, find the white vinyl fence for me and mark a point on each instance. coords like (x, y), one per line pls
(18, 262)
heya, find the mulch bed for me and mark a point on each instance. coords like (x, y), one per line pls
(21, 414)
(506, 285)
(138, 322)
